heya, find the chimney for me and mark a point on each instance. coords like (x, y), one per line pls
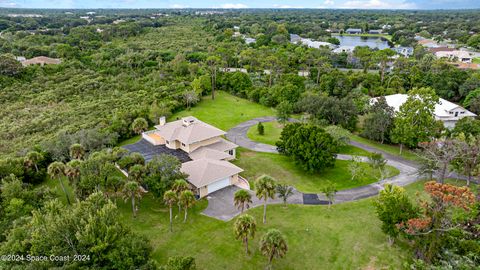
(162, 120)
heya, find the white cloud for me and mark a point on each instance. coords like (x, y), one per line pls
(377, 4)
(286, 6)
(7, 3)
(229, 5)
(178, 6)
(329, 2)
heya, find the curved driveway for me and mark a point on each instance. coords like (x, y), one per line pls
(221, 202)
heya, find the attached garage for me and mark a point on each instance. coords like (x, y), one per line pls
(208, 175)
(218, 185)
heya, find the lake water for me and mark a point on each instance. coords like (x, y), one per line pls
(372, 42)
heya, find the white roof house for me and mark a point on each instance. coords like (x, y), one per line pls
(460, 56)
(448, 112)
(208, 153)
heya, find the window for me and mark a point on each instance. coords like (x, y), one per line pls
(230, 152)
(167, 142)
(456, 114)
(183, 144)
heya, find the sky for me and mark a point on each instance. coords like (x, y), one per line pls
(330, 4)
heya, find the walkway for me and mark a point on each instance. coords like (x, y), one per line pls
(221, 205)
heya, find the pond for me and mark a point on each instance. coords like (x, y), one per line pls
(372, 42)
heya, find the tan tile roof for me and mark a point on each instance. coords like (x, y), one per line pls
(222, 145)
(41, 60)
(204, 171)
(206, 152)
(188, 130)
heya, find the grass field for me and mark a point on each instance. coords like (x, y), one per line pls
(226, 111)
(347, 236)
(286, 171)
(391, 149)
(476, 60)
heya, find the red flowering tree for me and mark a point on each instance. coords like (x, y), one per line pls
(439, 215)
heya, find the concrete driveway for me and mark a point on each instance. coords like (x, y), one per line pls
(220, 203)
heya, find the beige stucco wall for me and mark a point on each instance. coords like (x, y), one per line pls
(234, 179)
(192, 147)
(203, 191)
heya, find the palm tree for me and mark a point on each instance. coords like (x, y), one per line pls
(242, 199)
(170, 197)
(284, 191)
(32, 158)
(139, 125)
(56, 170)
(187, 199)
(136, 172)
(245, 226)
(132, 190)
(273, 245)
(265, 186)
(77, 151)
(72, 171)
(178, 187)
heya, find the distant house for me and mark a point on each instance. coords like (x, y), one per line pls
(440, 49)
(296, 39)
(376, 31)
(457, 56)
(447, 112)
(404, 51)
(41, 60)
(207, 165)
(353, 31)
(344, 49)
(243, 70)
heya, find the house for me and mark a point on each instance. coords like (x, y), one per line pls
(207, 166)
(405, 51)
(41, 60)
(375, 31)
(455, 55)
(447, 112)
(353, 31)
(344, 49)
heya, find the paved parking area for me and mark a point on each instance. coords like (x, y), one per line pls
(148, 150)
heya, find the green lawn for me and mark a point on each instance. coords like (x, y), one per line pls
(347, 236)
(286, 171)
(226, 111)
(271, 135)
(391, 149)
(476, 60)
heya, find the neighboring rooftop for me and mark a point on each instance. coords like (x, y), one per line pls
(41, 60)
(442, 108)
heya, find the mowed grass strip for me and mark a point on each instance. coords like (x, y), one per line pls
(286, 171)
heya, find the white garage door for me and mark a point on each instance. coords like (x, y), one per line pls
(218, 185)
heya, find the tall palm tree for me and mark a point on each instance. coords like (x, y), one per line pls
(32, 159)
(242, 199)
(273, 245)
(178, 187)
(56, 170)
(187, 199)
(265, 186)
(284, 191)
(72, 171)
(131, 190)
(170, 198)
(77, 151)
(136, 173)
(244, 227)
